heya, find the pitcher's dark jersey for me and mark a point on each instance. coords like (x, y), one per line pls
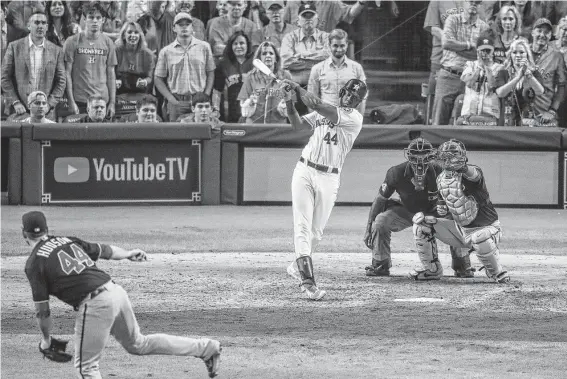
(64, 267)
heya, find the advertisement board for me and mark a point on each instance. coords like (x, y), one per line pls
(121, 171)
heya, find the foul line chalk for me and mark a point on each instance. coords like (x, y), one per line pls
(421, 300)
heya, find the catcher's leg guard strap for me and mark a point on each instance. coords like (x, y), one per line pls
(460, 263)
(425, 241)
(486, 250)
(305, 266)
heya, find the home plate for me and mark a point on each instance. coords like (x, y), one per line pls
(421, 300)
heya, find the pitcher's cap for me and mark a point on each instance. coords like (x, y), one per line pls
(34, 222)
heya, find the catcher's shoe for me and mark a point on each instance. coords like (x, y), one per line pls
(213, 361)
(426, 274)
(312, 292)
(378, 268)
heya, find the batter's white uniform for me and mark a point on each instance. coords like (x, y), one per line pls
(314, 189)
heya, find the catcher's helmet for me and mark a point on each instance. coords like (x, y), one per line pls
(355, 87)
(452, 154)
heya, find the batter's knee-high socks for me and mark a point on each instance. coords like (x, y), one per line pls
(305, 266)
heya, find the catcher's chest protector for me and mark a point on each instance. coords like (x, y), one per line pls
(463, 208)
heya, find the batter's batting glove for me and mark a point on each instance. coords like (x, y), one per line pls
(56, 351)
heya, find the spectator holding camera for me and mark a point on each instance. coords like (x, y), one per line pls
(481, 105)
(459, 37)
(236, 61)
(184, 68)
(261, 98)
(32, 64)
(136, 62)
(519, 84)
(90, 58)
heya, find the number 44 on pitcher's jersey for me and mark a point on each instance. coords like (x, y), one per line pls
(330, 143)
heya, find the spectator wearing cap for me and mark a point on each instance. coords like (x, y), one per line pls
(90, 58)
(33, 64)
(459, 38)
(187, 7)
(184, 68)
(223, 27)
(330, 12)
(551, 65)
(38, 106)
(329, 76)
(481, 105)
(303, 48)
(276, 29)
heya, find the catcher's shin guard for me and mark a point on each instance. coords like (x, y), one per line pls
(461, 265)
(379, 268)
(426, 245)
(305, 266)
(484, 245)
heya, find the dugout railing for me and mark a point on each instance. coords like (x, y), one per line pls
(252, 164)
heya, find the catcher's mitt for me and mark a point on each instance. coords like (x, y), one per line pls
(56, 351)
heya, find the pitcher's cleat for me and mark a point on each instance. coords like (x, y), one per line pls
(213, 362)
(312, 292)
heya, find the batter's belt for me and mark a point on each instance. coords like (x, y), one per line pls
(319, 167)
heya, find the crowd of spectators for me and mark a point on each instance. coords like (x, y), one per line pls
(492, 62)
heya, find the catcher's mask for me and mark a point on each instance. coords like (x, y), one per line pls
(452, 156)
(356, 89)
(419, 153)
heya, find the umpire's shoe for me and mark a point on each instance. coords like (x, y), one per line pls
(212, 359)
(378, 268)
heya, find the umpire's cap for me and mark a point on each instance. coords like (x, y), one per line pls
(34, 223)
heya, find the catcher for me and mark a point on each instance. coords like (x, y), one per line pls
(415, 183)
(474, 222)
(65, 268)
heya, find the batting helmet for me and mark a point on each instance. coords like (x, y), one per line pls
(357, 88)
(452, 154)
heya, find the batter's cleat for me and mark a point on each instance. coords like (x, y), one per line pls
(380, 270)
(213, 362)
(312, 292)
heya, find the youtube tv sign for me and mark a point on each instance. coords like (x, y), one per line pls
(121, 172)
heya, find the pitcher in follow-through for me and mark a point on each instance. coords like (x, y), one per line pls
(316, 178)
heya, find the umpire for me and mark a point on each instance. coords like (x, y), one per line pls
(415, 182)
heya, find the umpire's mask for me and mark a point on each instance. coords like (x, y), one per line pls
(419, 153)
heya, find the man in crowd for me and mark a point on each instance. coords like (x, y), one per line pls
(38, 106)
(90, 58)
(146, 109)
(203, 112)
(276, 29)
(415, 183)
(330, 12)
(551, 65)
(33, 64)
(303, 48)
(223, 27)
(96, 112)
(19, 12)
(460, 34)
(329, 76)
(184, 68)
(198, 26)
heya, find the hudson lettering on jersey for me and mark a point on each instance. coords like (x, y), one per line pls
(324, 122)
(130, 170)
(91, 51)
(52, 244)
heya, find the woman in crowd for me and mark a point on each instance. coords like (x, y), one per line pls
(136, 62)
(60, 23)
(236, 61)
(508, 27)
(261, 99)
(522, 85)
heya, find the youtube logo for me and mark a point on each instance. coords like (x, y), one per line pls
(71, 169)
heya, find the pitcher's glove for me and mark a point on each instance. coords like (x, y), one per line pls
(56, 351)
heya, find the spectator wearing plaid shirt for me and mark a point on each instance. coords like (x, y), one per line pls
(184, 68)
(33, 64)
(459, 39)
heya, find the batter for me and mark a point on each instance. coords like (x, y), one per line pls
(316, 178)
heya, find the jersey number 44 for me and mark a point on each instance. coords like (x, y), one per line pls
(331, 139)
(77, 264)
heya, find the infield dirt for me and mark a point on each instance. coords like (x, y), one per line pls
(220, 272)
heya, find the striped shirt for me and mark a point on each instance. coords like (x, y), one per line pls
(459, 28)
(300, 53)
(327, 79)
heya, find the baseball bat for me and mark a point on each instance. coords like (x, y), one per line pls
(261, 66)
